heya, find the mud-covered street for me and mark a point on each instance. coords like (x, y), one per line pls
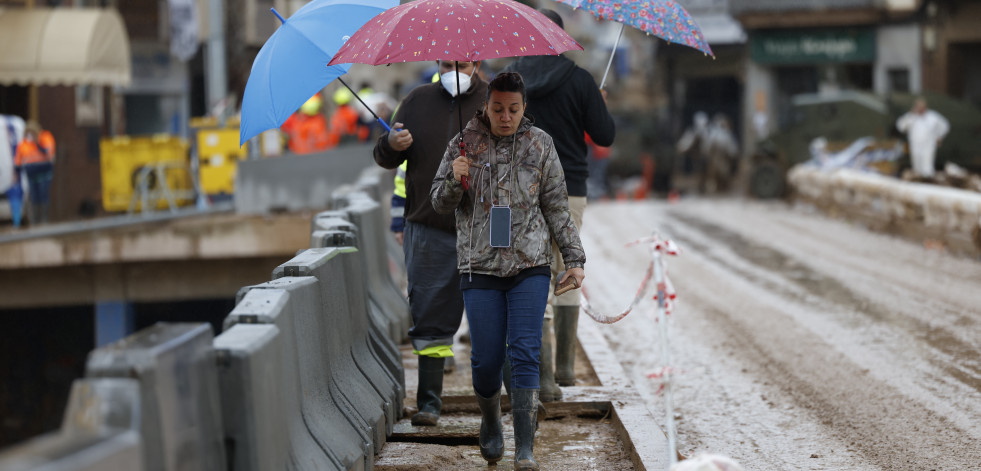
(802, 342)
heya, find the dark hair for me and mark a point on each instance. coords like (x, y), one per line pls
(507, 82)
(552, 15)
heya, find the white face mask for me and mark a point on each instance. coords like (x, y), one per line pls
(448, 80)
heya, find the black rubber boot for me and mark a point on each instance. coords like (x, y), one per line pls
(430, 389)
(542, 410)
(546, 367)
(491, 431)
(524, 408)
(566, 322)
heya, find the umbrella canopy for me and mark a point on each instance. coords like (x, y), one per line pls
(455, 30)
(292, 65)
(662, 18)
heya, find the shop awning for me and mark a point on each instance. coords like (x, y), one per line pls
(720, 28)
(63, 46)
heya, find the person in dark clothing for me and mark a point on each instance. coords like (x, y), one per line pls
(423, 125)
(566, 103)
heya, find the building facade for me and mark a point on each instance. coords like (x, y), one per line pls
(824, 46)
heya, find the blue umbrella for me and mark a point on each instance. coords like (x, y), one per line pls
(292, 65)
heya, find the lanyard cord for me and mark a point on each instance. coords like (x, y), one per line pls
(510, 173)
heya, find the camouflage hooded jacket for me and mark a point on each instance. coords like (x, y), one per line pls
(531, 183)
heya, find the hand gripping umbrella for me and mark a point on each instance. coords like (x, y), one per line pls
(455, 30)
(662, 18)
(292, 64)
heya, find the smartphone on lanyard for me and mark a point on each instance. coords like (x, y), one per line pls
(500, 226)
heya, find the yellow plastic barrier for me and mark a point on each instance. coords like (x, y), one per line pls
(218, 155)
(122, 159)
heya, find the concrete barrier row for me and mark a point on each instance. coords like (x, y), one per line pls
(100, 431)
(918, 211)
(306, 374)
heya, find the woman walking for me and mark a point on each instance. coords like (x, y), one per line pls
(515, 201)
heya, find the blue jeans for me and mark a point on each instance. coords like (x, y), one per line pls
(506, 323)
(39, 181)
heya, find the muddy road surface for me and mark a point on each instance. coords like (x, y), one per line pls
(801, 342)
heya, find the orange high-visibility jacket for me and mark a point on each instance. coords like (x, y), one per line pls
(36, 152)
(308, 133)
(344, 122)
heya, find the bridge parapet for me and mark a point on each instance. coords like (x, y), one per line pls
(305, 375)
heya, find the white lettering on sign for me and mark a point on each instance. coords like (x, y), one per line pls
(781, 48)
(831, 47)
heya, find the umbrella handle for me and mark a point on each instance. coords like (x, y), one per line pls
(614, 51)
(383, 123)
(465, 180)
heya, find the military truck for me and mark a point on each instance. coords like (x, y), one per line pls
(844, 117)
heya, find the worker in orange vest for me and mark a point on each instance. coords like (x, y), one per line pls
(346, 121)
(307, 129)
(36, 155)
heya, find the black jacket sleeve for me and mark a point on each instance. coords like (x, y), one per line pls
(600, 124)
(385, 156)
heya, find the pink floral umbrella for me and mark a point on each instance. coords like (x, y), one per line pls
(456, 30)
(665, 19)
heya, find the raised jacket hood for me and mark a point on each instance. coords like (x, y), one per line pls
(543, 74)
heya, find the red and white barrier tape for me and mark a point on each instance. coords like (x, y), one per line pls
(657, 246)
(661, 376)
(665, 296)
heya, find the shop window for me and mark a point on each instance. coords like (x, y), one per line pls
(858, 77)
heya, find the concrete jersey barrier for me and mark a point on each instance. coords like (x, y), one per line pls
(354, 366)
(333, 229)
(367, 215)
(379, 184)
(181, 425)
(259, 390)
(100, 431)
(317, 416)
(307, 374)
(297, 182)
(381, 342)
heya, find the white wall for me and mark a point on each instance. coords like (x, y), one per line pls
(898, 46)
(900, 4)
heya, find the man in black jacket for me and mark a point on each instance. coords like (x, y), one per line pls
(566, 103)
(423, 125)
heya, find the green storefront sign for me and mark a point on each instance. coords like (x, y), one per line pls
(813, 47)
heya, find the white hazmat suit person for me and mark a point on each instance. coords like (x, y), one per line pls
(925, 129)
